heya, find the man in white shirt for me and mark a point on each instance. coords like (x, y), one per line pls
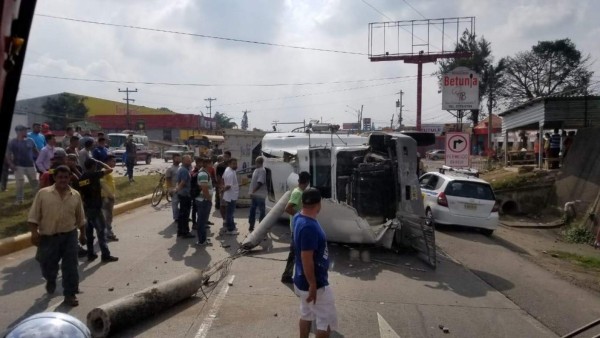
(43, 162)
(231, 192)
(258, 193)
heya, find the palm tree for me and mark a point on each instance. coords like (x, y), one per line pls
(224, 121)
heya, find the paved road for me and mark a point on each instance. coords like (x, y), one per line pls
(386, 291)
(552, 300)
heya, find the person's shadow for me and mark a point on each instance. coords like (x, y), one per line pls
(24, 276)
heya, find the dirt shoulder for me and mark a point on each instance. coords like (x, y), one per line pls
(540, 245)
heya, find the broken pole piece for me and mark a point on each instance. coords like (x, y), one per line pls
(126, 311)
(261, 230)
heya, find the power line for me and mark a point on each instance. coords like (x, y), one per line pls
(213, 84)
(198, 35)
(376, 10)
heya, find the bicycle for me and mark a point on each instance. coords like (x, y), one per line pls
(160, 191)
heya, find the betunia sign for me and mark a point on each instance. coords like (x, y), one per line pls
(460, 89)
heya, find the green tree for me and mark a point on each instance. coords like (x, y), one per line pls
(64, 109)
(550, 67)
(224, 121)
(481, 62)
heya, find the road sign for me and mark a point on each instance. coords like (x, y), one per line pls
(457, 150)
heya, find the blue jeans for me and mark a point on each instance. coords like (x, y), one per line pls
(185, 204)
(96, 221)
(259, 203)
(175, 206)
(229, 216)
(202, 213)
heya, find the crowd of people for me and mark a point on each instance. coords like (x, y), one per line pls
(74, 195)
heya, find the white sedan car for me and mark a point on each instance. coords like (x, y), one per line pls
(455, 199)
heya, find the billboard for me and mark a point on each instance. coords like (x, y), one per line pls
(437, 129)
(460, 89)
(366, 123)
(351, 126)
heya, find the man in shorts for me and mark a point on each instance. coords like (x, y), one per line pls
(312, 262)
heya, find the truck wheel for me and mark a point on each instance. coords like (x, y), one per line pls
(148, 159)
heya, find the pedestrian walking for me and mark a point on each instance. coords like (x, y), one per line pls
(312, 262)
(91, 193)
(58, 158)
(294, 206)
(38, 138)
(231, 192)
(195, 188)
(4, 174)
(21, 153)
(221, 167)
(73, 147)
(131, 153)
(258, 193)
(554, 149)
(100, 153)
(66, 141)
(85, 153)
(56, 213)
(183, 194)
(171, 179)
(203, 201)
(218, 177)
(43, 162)
(109, 192)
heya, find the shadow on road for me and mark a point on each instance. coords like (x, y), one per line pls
(475, 236)
(366, 263)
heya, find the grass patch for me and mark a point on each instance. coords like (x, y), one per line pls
(517, 180)
(583, 261)
(13, 218)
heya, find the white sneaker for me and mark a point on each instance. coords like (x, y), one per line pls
(232, 232)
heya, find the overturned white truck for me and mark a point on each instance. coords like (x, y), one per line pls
(369, 184)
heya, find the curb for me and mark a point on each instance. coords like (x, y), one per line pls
(528, 225)
(20, 242)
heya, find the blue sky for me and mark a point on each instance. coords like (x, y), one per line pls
(64, 48)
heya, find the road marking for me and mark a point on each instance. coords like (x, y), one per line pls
(212, 313)
(385, 330)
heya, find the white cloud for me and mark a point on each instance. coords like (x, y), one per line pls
(72, 49)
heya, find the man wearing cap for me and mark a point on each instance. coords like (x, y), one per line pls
(312, 262)
(21, 153)
(37, 137)
(55, 215)
(293, 206)
(58, 158)
(43, 162)
(131, 153)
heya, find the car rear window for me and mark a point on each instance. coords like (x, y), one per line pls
(468, 189)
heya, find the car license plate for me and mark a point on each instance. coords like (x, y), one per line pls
(470, 206)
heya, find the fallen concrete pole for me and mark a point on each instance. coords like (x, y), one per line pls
(127, 311)
(260, 231)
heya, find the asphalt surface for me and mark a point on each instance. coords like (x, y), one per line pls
(378, 292)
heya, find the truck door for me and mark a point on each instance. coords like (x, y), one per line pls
(320, 171)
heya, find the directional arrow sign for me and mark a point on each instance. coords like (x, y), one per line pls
(457, 150)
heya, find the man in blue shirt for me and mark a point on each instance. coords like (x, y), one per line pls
(183, 195)
(312, 262)
(100, 153)
(37, 137)
(22, 151)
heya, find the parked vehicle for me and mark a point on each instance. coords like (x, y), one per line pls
(177, 149)
(454, 198)
(143, 153)
(436, 154)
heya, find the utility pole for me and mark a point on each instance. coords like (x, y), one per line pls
(210, 100)
(127, 99)
(360, 118)
(400, 105)
(392, 122)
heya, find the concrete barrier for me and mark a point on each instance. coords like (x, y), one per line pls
(20, 242)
